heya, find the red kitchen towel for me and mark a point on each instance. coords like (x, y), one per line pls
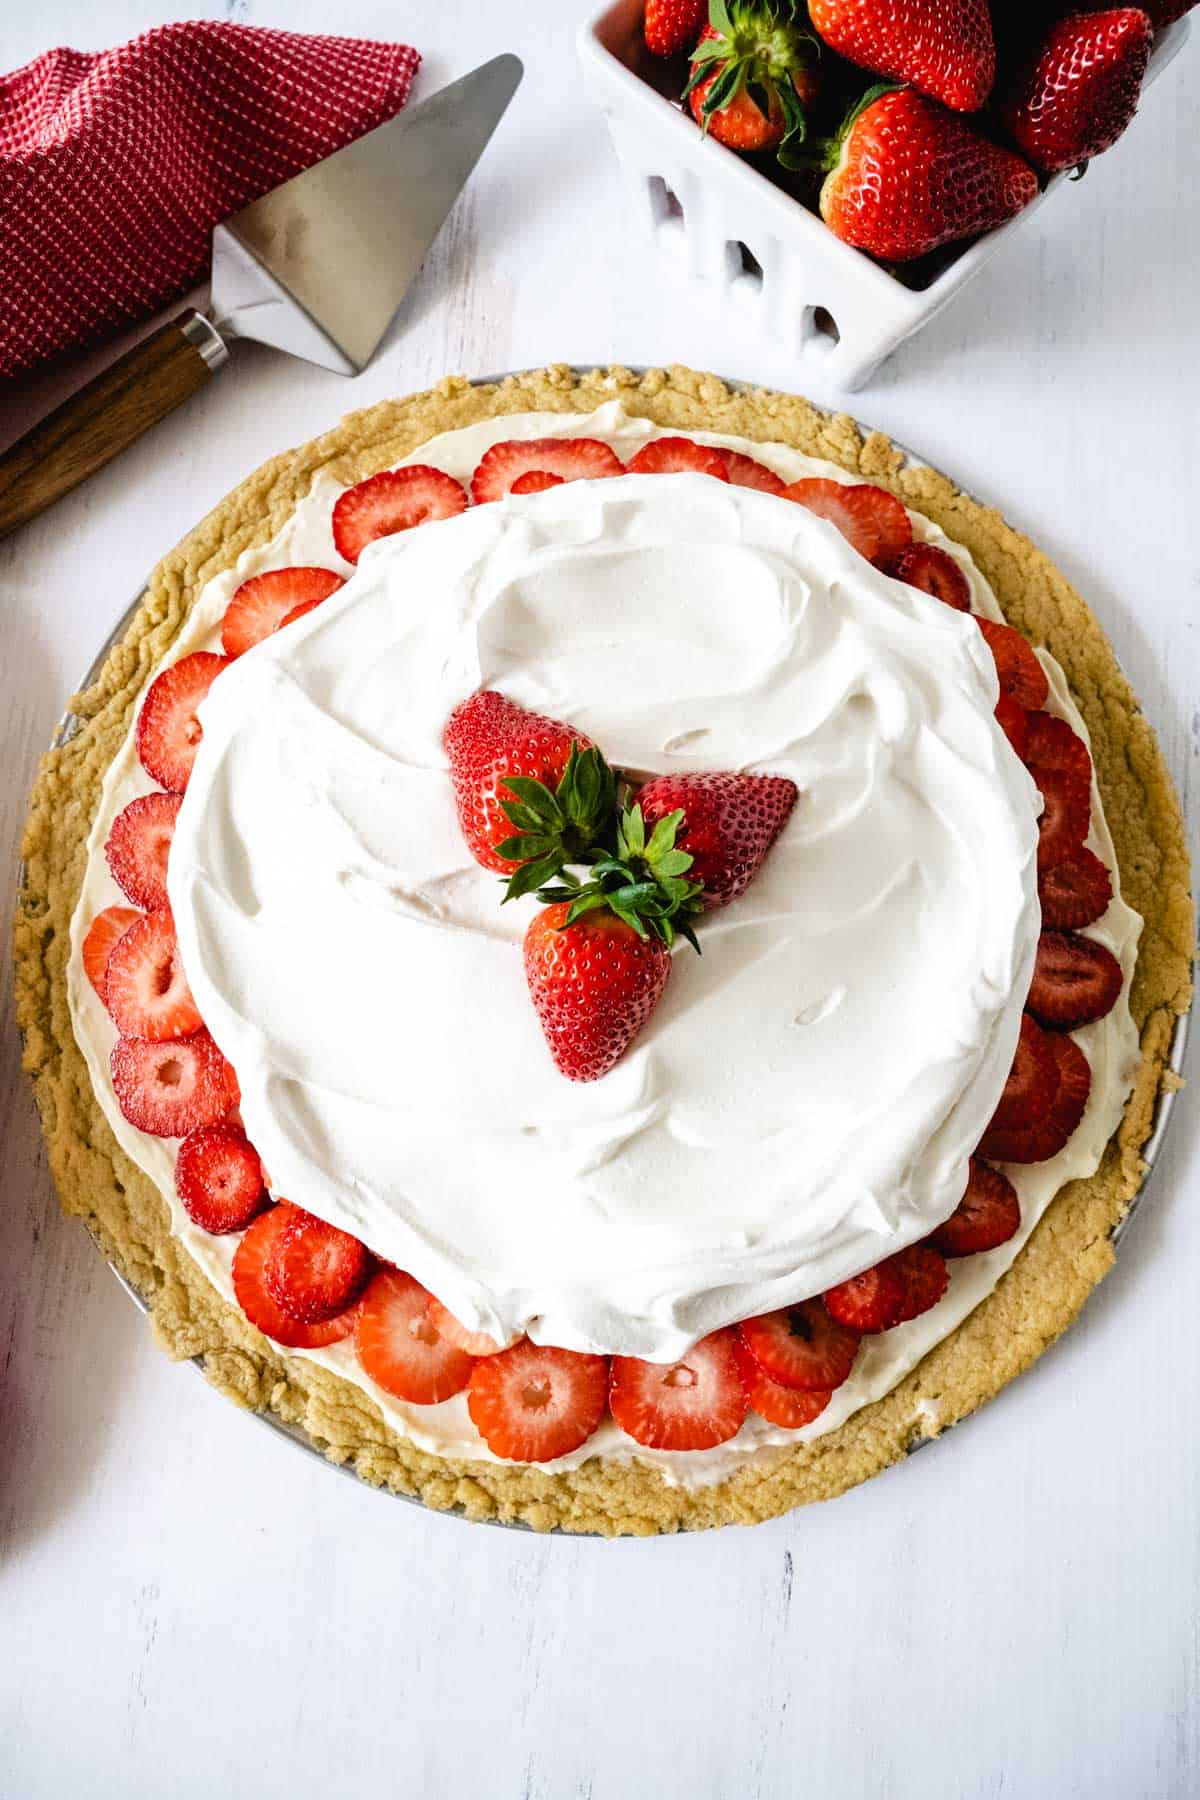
(115, 167)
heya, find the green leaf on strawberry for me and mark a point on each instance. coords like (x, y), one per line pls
(560, 825)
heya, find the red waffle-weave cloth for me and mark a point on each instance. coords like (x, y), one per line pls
(115, 167)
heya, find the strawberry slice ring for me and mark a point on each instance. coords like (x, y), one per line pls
(868, 517)
(393, 501)
(570, 459)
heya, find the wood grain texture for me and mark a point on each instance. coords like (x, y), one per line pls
(85, 432)
(197, 1608)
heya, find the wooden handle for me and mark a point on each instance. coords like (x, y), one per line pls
(105, 417)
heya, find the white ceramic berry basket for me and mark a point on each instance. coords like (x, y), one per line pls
(768, 263)
(70, 724)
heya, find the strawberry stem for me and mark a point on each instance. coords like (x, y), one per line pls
(559, 826)
(642, 882)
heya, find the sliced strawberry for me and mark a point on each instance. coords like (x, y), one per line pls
(168, 731)
(925, 1277)
(1075, 980)
(748, 472)
(692, 1404)
(265, 602)
(146, 990)
(872, 1301)
(313, 1270)
(1051, 744)
(801, 1346)
(532, 1403)
(250, 1263)
(535, 481)
(1018, 670)
(1066, 814)
(1074, 892)
(1013, 721)
(475, 1343)
(988, 1214)
(297, 612)
(138, 845)
(869, 517)
(219, 1179)
(393, 501)
(399, 1346)
(678, 456)
(104, 933)
(787, 1407)
(935, 572)
(1029, 1091)
(173, 1088)
(572, 459)
(1047, 1136)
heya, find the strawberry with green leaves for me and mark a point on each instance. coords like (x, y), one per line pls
(753, 74)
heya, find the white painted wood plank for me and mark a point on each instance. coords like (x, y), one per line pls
(190, 1607)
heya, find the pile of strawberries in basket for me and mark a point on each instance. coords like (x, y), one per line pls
(536, 802)
(909, 124)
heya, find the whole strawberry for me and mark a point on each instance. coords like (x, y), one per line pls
(1078, 91)
(730, 822)
(944, 47)
(752, 76)
(909, 176)
(673, 25)
(1161, 13)
(531, 792)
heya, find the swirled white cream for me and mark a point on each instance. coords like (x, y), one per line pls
(806, 1096)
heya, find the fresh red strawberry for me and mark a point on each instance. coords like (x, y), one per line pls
(1078, 92)
(168, 731)
(801, 1346)
(572, 459)
(250, 1263)
(1051, 744)
(988, 1214)
(1013, 721)
(1075, 980)
(789, 1408)
(533, 1403)
(748, 472)
(138, 845)
(393, 501)
(1066, 812)
(265, 602)
(753, 75)
(475, 1343)
(594, 985)
(944, 47)
(729, 823)
(399, 1345)
(1074, 892)
(673, 25)
(910, 176)
(935, 572)
(314, 1271)
(1018, 670)
(692, 1404)
(678, 456)
(872, 1301)
(147, 992)
(925, 1278)
(1045, 1137)
(219, 1179)
(104, 933)
(535, 481)
(491, 741)
(297, 612)
(1029, 1091)
(868, 517)
(173, 1088)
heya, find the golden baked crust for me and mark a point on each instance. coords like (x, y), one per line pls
(1068, 1253)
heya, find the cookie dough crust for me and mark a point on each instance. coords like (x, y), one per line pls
(1066, 1257)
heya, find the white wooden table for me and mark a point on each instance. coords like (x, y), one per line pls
(188, 1607)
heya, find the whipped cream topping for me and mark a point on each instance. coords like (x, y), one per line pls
(804, 1099)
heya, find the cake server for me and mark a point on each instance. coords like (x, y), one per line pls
(316, 268)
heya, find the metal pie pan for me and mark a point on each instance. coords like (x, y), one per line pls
(1165, 1103)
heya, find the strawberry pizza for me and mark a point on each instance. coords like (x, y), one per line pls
(607, 948)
